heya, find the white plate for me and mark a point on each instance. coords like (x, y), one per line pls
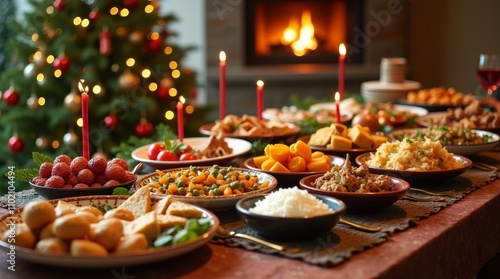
(215, 203)
(135, 258)
(239, 147)
(464, 150)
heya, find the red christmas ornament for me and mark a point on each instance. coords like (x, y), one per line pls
(94, 15)
(154, 45)
(59, 5)
(62, 63)
(162, 92)
(11, 97)
(105, 42)
(16, 144)
(130, 4)
(111, 121)
(143, 129)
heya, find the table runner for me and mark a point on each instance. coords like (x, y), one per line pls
(343, 241)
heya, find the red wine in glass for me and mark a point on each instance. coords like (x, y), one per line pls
(489, 78)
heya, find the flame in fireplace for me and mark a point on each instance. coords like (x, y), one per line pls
(303, 40)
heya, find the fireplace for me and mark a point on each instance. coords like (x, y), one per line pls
(300, 31)
(372, 29)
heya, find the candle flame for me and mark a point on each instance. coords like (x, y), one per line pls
(260, 83)
(222, 56)
(82, 87)
(337, 96)
(342, 49)
(182, 99)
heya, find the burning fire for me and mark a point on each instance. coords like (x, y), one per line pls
(303, 40)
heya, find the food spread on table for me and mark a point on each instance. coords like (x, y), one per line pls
(338, 136)
(440, 96)
(248, 125)
(444, 134)
(473, 116)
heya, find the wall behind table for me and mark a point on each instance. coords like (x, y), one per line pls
(446, 38)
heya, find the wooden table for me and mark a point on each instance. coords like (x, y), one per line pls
(455, 243)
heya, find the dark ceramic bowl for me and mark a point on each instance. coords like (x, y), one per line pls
(365, 202)
(57, 193)
(290, 179)
(290, 228)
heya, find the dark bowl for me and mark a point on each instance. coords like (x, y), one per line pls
(57, 193)
(427, 178)
(290, 228)
(366, 202)
(290, 179)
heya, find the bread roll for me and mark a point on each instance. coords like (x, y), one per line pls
(37, 214)
(83, 247)
(22, 234)
(52, 245)
(46, 232)
(71, 226)
(107, 232)
(90, 209)
(64, 208)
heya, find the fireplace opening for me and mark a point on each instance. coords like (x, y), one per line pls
(300, 31)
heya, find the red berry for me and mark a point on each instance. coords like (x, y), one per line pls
(72, 180)
(114, 172)
(68, 186)
(96, 185)
(55, 181)
(38, 180)
(128, 177)
(86, 176)
(119, 161)
(61, 169)
(79, 163)
(111, 183)
(98, 165)
(81, 186)
(101, 179)
(45, 169)
(63, 159)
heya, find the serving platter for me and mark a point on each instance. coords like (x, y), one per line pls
(291, 115)
(464, 150)
(428, 107)
(429, 177)
(213, 203)
(426, 121)
(239, 146)
(109, 261)
(292, 130)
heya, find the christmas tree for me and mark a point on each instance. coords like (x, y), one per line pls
(120, 50)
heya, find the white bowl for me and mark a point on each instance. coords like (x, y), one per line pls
(377, 91)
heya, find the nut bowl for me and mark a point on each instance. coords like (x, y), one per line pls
(290, 228)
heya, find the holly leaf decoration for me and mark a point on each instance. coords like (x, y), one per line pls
(40, 158)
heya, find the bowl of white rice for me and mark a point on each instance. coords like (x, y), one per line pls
(290, 214)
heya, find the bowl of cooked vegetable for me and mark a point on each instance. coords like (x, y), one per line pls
(215, 187)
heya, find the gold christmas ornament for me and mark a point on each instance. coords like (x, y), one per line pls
(128, 80)
(32, 102)
(42, 142)
(136, 37)
(72, 101)
(70, 138)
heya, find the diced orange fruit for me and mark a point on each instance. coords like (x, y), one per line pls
(301, 149)
(297, 164)
(280, 152)
(317, 154)
(259, 160)
(319, 164)
(268, 164)
(279, 167)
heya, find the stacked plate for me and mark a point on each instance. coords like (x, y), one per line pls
(392, 85)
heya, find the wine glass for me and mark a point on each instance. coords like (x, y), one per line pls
(488, 73)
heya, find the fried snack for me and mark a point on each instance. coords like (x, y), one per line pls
(440, 96)
(216, 147)
(249, 125)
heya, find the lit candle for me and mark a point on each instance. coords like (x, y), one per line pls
(222, 85)
(85, 117)
(337, 106)
(180, 118)
(260, 100)
(342, 53)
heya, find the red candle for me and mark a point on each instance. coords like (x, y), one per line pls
(260, 100)
(85, 117)
(180, 119)
(342, 53)
(222, 85)
(337, 106)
